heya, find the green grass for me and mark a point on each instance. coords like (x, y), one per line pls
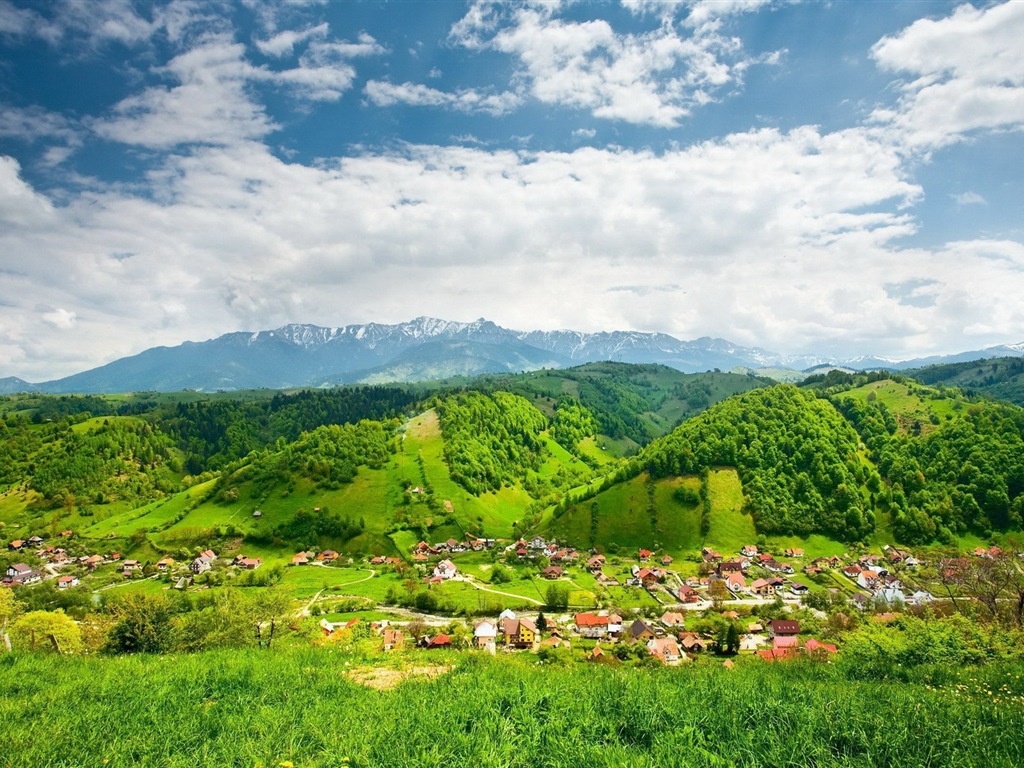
(730, 527)
(251, 708)
(304, 581)
(911, 404)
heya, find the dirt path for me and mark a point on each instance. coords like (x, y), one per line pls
(307, 610)
(473, 583)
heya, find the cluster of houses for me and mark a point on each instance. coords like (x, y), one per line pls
(664, 638)
(53, 558)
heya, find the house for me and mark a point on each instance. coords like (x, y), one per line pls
(729, 566)
(748, 550)
(817, 648)
(666, 649)
(762, 588)
(165, 564)
(666, 560)
(776, 567)
(868, 580)
(67, 581)
(439, 641)
(784, 627)
(673, 619)
(777, 654)
(692, 642)
(919, 598)
(393, 639)
(328, 556)
(688, 594)
(20, 573)
(16, 546)
(131, 565)
(538, 542)
(250, 563)
(555, 642)
(736, 582)
(794, 552)
(301, 558)
(200, 565)
(797, 588)
(597, 654)
(648, 577)
(639, 631)
(519, 633)
(592, 625)
(710, 556)
(785, 641)
(92, 562)
(445, 570)
(644, 554)
(595, 563)
(485, 633)
(552, 572)
(851, 571)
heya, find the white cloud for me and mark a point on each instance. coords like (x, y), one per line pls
(967, 70)
(786, 239)
(213, 101)
(209, 105)
(386, 94)
(60, 318)
(969, 198)
(655, 78)
(20, 206)
(283, 43)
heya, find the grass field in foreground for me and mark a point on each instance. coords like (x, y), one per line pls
(302, 708)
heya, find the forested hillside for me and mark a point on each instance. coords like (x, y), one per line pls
(797, 458)
(1000, 378)
(847, 457)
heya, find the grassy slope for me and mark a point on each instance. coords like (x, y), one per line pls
(909, 403)
(300, 707)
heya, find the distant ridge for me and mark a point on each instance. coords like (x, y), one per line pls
(299, 355)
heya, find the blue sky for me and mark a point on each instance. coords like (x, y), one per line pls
(842, 178)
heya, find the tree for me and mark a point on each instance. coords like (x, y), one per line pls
(542, 623)
(142, 625)
(47, 630)
(556, 598)
(9, 610)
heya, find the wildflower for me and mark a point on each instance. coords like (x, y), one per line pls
(287, 764)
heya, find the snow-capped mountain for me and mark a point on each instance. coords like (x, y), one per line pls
(299, 355)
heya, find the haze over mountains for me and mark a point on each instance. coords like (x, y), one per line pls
(423, 349)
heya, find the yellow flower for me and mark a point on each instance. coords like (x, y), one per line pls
(287, 764)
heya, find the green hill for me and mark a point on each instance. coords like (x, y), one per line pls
(796, 455)
(372, 470)
(1000, 378)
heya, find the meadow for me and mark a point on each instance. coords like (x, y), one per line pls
(301, 707)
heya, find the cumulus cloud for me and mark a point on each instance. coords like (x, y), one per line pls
(751, 236)
(654, 78)
(209, 104)
(967, 74)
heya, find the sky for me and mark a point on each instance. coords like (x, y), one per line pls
(840, 178)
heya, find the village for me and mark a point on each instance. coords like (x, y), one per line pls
(748, 602)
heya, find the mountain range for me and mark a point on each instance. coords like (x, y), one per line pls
(424, 349)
